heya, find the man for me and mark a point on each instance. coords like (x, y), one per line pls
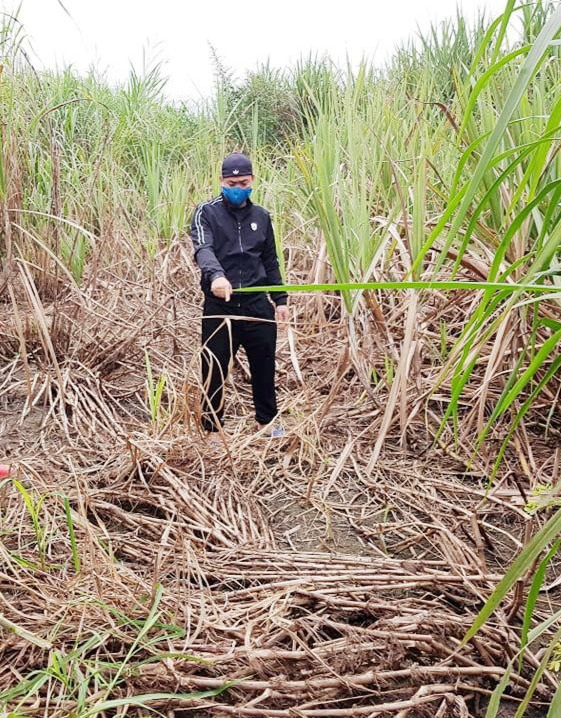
(235, 247)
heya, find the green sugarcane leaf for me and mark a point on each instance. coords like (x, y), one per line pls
(484, 80)
(537, 675)
(439, 285)
(533, 593)
(550, 323)
(531, 65)
(520, 414)
(495, 700)
(555, 706)
(518, 568)
(505, 18)
(543, 626)
(146, 698)
(537, 164)
(535, 365)
(484, 44)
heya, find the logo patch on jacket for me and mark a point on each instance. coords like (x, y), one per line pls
(254, 226)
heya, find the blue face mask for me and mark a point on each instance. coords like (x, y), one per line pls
(236, 195)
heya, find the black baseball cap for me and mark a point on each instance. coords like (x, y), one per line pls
(236, 165)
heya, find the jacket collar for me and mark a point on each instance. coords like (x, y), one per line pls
(237, 211)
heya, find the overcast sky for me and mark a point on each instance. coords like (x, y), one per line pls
(112, 34)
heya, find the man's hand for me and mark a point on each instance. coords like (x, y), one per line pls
(221, 288)
(283, 314)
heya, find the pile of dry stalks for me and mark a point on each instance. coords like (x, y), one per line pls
(317, 581)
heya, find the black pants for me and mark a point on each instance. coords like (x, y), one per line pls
(221, 340)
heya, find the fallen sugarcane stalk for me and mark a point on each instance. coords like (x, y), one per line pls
(440, 691)
(368, 678)
(437, 692)
(28, 636)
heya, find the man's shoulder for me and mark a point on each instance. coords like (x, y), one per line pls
(209, 204)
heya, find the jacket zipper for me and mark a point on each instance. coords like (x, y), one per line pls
(241, 247)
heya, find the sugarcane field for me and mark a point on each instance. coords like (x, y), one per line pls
(280, 378)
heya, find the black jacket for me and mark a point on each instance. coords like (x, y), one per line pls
(236, 243)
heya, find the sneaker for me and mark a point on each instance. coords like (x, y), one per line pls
(272, 432)
(213, 442)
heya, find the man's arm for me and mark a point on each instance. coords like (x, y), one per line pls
(203, 243)
(271, 264)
